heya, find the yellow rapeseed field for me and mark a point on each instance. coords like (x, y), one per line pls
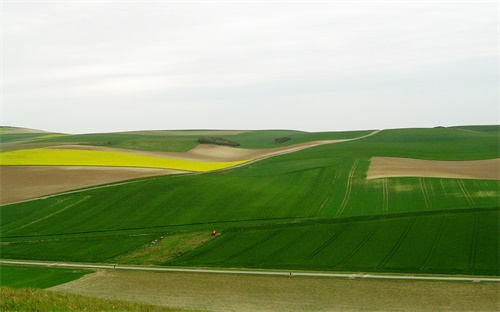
(68, 157)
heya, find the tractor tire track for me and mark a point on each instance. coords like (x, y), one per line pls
(434, 246)
(328, 242)
(397, 245)
(473, 247)
(427, 199)
(287, 246)
(329, 194)
(206, 251)
(465, 192)
(52, 214)
(260, 242)
(348, 188)
(385, 188)
(360, 245)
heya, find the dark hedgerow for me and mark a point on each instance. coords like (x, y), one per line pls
(217, 141)
(281, 140)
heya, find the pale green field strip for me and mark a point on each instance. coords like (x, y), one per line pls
(66, 157)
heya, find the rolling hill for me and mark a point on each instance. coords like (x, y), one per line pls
(309, 206)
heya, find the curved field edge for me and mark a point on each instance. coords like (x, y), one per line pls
(65, 157)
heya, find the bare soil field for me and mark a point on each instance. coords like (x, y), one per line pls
(384, 167)
(26, 182)
(208, 152)
(219, 292)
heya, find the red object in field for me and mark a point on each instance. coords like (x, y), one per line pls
(213, 233)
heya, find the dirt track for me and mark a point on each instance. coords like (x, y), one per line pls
(221, 292)
(383, 167)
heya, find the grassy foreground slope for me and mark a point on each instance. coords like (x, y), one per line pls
(34, 300)
(310, 209)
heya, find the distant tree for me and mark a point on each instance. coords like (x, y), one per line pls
(217, 141)
(281, 140)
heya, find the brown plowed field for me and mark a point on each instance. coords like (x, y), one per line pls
(384, 167)
(227, 292)
(25, 182)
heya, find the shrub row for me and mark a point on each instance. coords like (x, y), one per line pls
(217, 141)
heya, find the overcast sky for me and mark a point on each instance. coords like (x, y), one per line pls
(94, 66)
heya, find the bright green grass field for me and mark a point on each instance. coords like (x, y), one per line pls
(36, 277)
(311, 209)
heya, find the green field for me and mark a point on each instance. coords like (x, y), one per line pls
(311, 209)
(36, 277)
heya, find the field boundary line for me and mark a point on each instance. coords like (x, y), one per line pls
(255, 272)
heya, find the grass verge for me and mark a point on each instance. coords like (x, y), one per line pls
(31, 299)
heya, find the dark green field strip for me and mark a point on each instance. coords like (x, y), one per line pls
(431, 243)
(86, 249)
(35, 277)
